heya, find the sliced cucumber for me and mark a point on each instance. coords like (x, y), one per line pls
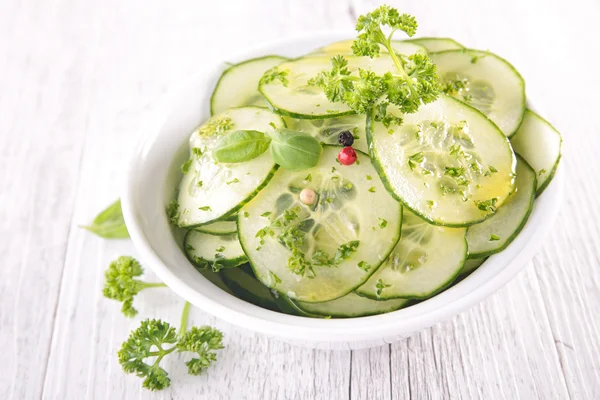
(344, 47)
(214, 251)
(219, 228)
(498, 231)
(425, 261)
(238, 85)
(435, 44)
(211, 191)
(247, 288)
(288, 306)
(323, 251)
(294, 97)
(447, 162)
(485, 81)
(471, 265)
(539, 143)
(352, 305)
(327, 130)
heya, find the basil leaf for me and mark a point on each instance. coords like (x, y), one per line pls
(295, 151)
(109, 224)
(240, 146)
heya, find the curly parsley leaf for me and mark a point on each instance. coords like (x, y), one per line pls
(202, 341)
(142, 353)
(412, 82)
(120, 283)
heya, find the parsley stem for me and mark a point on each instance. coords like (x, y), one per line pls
(184, 318)
(146, 285)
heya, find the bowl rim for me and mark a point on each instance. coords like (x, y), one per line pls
(493, 274)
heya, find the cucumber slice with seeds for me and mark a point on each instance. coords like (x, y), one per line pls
(447, 162)
(294, 97)
(214, 251)
(238, 85)
(434, 44)
(485, 81)
(497, 232)
(539, 143)
(344, 47)
(211, 191)
(323, 251)
(219, 228)
(352, 305)
(328, 130)
(425, 261)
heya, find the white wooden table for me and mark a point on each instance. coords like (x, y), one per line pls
(77, 80)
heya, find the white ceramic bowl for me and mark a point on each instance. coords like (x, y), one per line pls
(153, 174)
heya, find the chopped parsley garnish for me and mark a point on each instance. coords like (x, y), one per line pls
(372, 189)
(265, 214)
(494, 238)
(216, 126)
(308, 178)
(186, 166)
(274, 277)
(220, 249)
(275, 74)
(380, 286)
(199, 183)
(173, 212)
(542, 172)
(364, 266)
(205, 208)
(246, 214)
(415, 159)
(382, 222)
(234, 180)
(369, 177)
(487, 205)
(197, 151)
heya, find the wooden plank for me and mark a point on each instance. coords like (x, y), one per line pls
(88, 324)
(371, 377)
(498, 349)
(41, 82)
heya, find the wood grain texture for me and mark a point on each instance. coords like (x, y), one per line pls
(77, 81)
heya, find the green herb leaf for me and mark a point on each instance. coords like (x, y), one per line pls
(205, 208)
(142, 353)
(295, 151)
(380, 286)
(412, 82)
(494, 238)
(186, 166)
(120, 283)
(241, 146)
(365, 266)
(109, 224)
(173, 212)
(275, 74)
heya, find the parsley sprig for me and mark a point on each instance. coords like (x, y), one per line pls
(120, 283)
(155, 339)
(413, 81)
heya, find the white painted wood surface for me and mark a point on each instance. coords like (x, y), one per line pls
(77, 80)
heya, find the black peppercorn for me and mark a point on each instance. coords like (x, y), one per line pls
(346, 138)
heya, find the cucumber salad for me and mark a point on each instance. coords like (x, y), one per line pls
(363, 177)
